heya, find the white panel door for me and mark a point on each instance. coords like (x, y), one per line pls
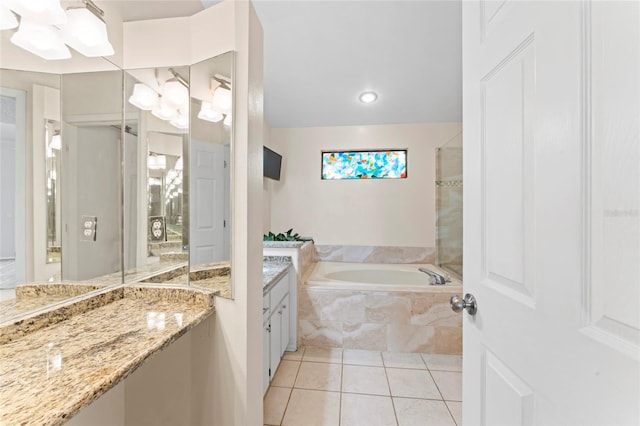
(207, 202)
(552, 194)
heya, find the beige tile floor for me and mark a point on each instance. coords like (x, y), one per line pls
(319, 386)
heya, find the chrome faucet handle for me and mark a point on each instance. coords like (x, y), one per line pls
(436, 278)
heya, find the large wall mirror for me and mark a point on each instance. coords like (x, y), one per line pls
(91, 176)
(116, 195)
(61, 154)
(156, 144)
(210, 150)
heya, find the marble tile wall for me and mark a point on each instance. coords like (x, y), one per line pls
(372, 254)
(375, 320)
(449, 209)
(306, 258)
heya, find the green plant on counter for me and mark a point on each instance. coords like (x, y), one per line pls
(287, 236)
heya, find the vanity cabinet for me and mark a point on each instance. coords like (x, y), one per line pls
(276, 326)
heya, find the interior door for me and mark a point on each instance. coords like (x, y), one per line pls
(551, 243)
(207, 202)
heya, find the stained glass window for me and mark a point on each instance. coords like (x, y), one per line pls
(387, 164)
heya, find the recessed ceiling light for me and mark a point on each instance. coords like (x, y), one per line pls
(368, 97)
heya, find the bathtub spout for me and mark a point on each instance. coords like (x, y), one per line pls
(437, 278)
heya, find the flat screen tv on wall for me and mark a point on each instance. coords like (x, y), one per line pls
(272, 162)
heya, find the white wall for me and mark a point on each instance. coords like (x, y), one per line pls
(389, 212)
(266, 186)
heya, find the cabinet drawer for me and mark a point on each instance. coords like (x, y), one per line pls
(279, 291)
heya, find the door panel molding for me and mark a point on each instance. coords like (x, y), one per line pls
(507, 187)
(508, 399)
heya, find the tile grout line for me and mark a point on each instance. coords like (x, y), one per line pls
(292, 388)
(438, 387)
(341, 380)
(393, 404)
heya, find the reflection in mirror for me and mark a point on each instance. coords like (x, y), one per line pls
(54, 170)
(53, 145)
(157, 119)
(209, 174)
(28, 101)
(91, 185)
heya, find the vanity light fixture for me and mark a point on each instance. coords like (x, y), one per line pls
(156, 162)
(143, 97)
(56, 141)
(86, 31)
(221, 100)
(45, 28)
(7, 19)
(180, 120)
(208, 113)
(368, 97)
(227, 120)
(41, 40)
(176, 93)
(45, 12)
(163, 110)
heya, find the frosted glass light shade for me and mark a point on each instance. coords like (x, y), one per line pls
(56, 142)
(156, 162)
(45, 12)
(144, 97)
(7, 19)
(208, 113)
(41, 40)
(175, 93)
(227, 120)
(86, 33)
(181, 121)
(163, 110)
(222, 100)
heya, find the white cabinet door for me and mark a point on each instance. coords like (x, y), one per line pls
(265, 357)
(283, 311)
(551, 224)
(276, 333)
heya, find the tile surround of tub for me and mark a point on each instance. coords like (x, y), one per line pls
(418, 322)
(374, 254)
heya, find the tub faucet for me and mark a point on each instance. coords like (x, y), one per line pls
(437, 278)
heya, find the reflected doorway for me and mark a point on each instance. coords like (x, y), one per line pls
(12, 178)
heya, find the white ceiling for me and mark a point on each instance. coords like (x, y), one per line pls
(320, 55)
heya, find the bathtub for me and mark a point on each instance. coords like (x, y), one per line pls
(378, 277)
(379, 307)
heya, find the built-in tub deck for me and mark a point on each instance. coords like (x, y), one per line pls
(380, 307)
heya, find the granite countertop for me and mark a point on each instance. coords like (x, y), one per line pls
(90, 343)
(91, 351)
(283, 244)
(273, 268)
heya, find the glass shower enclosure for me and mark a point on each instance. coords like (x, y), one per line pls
(449, 206)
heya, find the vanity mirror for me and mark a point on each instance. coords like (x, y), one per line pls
(210, 151)
(156, 143)
(61, 156)
(104, 195)
(91, 176)
(53, 147)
